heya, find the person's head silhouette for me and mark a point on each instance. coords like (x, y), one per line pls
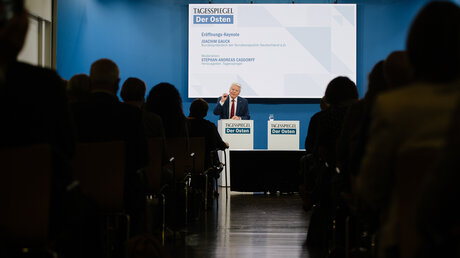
(13, 29)
(433, 44)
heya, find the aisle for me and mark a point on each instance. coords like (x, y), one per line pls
(248, 226)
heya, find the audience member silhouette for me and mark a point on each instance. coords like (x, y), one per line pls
(79, 88)
(313, 127)
(414, 117)
(397, 70)
(200, 127)
(33, 106)
(33, 103)
(350, 149)
(133, 93)
(308, 161)
(104, 118)
(165, 101)
(392, 73)
(340, 93)
(354, 132)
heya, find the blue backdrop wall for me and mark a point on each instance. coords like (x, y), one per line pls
(148, 39)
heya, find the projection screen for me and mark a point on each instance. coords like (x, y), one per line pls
(272, 50)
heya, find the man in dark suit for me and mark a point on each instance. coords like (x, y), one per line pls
(234, 107)
(104, 118)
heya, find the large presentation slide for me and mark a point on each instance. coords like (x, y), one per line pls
(272, 50)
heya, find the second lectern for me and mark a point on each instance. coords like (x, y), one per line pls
(240, 136)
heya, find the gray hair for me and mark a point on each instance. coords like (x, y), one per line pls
(236, 84)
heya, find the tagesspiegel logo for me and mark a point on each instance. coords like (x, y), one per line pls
(288, 129)
(213, 15)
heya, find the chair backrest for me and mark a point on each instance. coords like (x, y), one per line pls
(100, 168)
(178, 147)
(25, 187)
(410, 171)
(154, 169)
(198, 147)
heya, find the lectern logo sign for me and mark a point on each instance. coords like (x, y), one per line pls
(288, 129)
(237, 128)
(284, 131)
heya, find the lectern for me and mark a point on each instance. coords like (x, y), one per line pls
(240, 136)
(283, 135)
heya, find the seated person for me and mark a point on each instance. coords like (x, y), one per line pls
(104, 118)
(200, 127)
(237, 109)
(412, 118)
(132, 93)
(79, 88)
(34, 108)
(165, 100)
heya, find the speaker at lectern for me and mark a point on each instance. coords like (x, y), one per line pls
(240, 136)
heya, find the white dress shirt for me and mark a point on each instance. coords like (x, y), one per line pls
(230, 105)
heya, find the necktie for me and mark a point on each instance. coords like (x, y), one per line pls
(232, 110)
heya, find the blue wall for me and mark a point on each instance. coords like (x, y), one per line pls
(148, 39)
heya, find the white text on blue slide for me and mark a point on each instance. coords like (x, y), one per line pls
(283, 131)
(212, 19)
(237, 130)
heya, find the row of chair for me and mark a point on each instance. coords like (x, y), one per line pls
(353, 228)
(99, 172)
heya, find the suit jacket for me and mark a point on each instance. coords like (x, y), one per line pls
(242, 109)
(104, 118)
